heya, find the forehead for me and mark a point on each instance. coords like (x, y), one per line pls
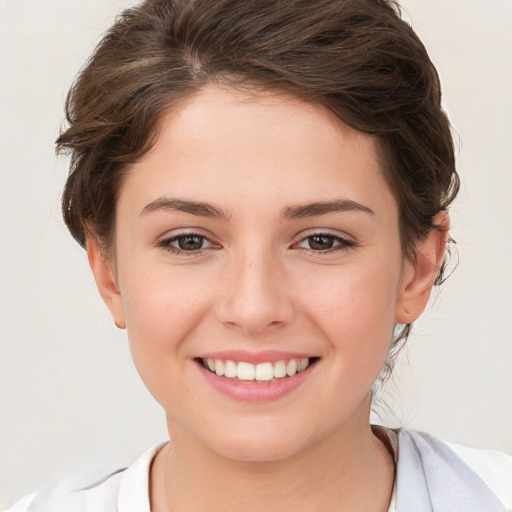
(220, 114)
(225, 144)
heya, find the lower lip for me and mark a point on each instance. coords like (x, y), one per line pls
(247, 391)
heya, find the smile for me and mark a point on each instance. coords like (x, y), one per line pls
(260, 373)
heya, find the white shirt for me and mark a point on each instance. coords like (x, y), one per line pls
(432, 476)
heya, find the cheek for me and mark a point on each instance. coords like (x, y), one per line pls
(161, 311)
(354, 308)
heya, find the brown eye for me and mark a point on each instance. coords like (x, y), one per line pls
(190, 242)
(325, 243)
(320, 242)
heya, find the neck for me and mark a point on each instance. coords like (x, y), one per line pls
(333, 474)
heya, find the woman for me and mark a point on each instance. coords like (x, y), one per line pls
(262, 189)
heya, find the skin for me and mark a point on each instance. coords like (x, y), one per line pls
(259, 284)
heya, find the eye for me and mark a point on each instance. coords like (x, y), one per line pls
(325, 242)
(190, 242)
(186, 243)
(320, 242)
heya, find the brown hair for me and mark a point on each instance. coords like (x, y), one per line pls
(355, 57)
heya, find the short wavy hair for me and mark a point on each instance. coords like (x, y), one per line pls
(358, 58)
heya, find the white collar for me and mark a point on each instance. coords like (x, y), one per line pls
(134, 487)
(430, 477)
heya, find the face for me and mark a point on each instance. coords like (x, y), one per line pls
(258, 272)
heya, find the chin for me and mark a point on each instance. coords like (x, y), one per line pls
(267, 451)
(260, 442)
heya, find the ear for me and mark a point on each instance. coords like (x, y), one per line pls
(106, 281)
(419, 276)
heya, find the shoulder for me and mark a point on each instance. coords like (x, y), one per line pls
(494, 468)
(120, 491)
(72, 496)
(452, 472)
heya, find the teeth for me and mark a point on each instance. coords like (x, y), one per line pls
(303, 364)
(245, 371)
(230, 369)
(219, 367)
(280, 370)
(263, 372)
(291, 368)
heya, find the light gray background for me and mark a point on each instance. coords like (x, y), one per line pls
(70, 399)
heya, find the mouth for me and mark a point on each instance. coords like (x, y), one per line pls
(265, 372)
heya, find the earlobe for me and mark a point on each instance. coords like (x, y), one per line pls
(419, 276)
(105, 280)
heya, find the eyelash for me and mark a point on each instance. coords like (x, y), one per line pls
(167, 244)
(341, 243)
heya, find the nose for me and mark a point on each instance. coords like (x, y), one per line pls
(255, 295)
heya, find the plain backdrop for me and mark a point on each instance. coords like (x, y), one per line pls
(70, 399)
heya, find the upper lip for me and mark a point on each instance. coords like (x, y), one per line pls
(264, 356)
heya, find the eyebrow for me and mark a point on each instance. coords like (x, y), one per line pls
(203, 209)
(323, 207)
(193, 207)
